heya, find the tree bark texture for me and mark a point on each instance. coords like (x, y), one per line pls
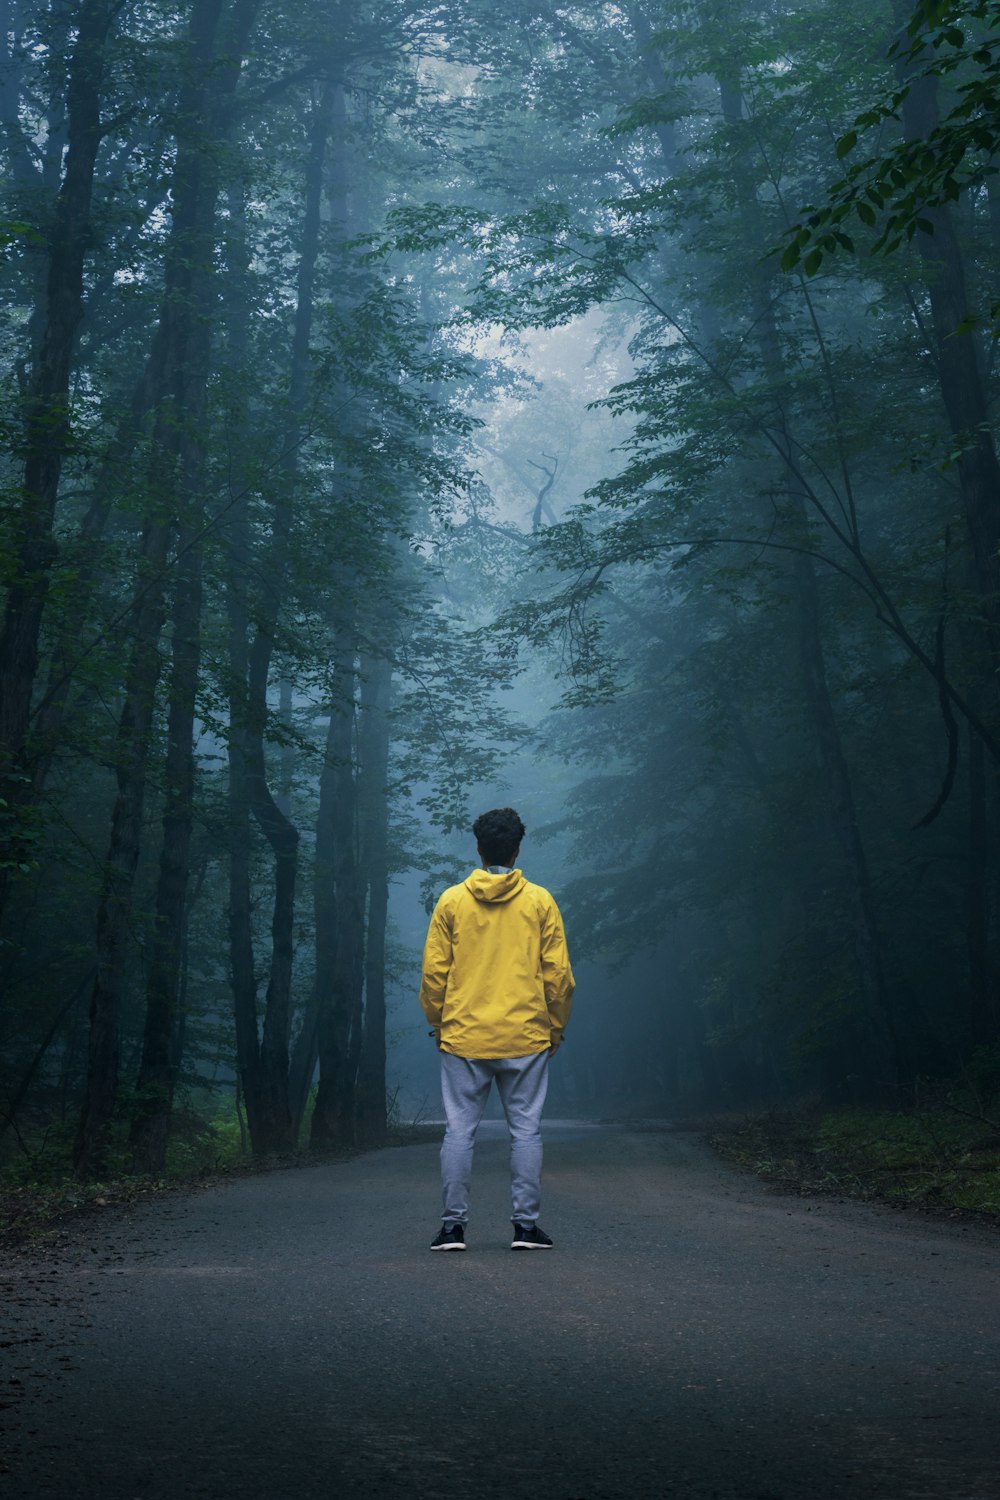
(277, 827)
(984, 1002)
(242, 973)
(376, 692)
(155, 1084)
(339, 915)
(47, 421)
(57, 702)
(178, 360)
(265, 1057)
(964, 396)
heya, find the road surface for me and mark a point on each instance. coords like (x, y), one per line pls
(693, 1336)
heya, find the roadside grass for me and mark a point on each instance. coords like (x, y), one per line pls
(41, 1201)
(941, 1154)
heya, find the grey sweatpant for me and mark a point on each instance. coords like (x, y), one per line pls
(522, 1083)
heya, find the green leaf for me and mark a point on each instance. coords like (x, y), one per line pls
(847, 143)
(790, 257)
(928, 13)
(865, 212)
(812, 262)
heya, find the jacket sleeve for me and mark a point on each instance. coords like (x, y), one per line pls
(557, 976)
(437, 964)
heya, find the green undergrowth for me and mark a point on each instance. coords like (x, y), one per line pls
(943, 1154)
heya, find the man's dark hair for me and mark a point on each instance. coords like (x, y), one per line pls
(498, 835)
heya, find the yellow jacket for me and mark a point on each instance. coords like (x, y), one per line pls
(496, 974)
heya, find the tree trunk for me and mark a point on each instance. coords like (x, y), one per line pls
(302, 1068)
(331, 1033)
(240, 916)
(47, 425)
(274, 1123)
(883, 1064)
(9, 1115)
(984, 1011)
(155, 1085)
(178, 360)
(882, 1068)
(376, 689)
(963, 392)
(55, 705)
(264, 1060)
(242, 975)
(339, 916)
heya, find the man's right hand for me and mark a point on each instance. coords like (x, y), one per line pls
(555, 1042)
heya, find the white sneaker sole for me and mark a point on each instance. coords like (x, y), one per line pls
(528, 1245)
(448, 1247)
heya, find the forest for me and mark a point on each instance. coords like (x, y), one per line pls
(409, 410)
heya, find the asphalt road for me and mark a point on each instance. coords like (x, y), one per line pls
(692, 1335)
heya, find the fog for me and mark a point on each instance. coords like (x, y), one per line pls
(407, 412)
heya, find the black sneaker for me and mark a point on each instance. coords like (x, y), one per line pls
(530, 1237)
(451, 1237)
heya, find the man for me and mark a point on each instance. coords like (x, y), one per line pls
(497, 989)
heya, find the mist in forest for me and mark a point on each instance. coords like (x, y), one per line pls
(410, 411)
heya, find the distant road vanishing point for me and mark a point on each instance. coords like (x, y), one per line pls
(693, 1336)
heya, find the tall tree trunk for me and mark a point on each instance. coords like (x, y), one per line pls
(331, 1033)
(882, 1064)
(177, 362)
(56, 703)
(984, 1009)
(376, 689)
(47, 424)
(242, 971)
(339, 894)
(115, 908)
(274, 1124)
(242, 974)
(339, 916)
(264, 1059)
(964, 396)
(155, 1084)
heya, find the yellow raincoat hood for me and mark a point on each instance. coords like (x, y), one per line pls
(496, 978)
(487, 887)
